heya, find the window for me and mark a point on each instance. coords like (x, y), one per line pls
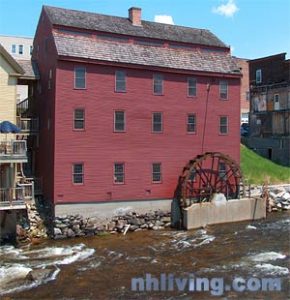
(20, 49)
(79, 118)
(78, 173)
(191, 123)
(119, 121)
(13, 49)
(223, 89)
(156, 172)
(259, 76)
(119, 173)
(222, 171)
(157, 122)
(223, 125)
(157, 84)
(80, 78)
(30, 50)
(120, 81)
(191, 87)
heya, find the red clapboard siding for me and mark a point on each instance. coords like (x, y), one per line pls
(98, 147)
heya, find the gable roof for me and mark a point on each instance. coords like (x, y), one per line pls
(30, 68)
(13, 63)
(123, 26)
(78, 46)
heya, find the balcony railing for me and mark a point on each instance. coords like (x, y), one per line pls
(28, 124)
(16, 148)
(12, 197)
(28, 189)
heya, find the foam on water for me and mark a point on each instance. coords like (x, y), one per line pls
(251, 227)
(267, 256)
(13, 274)
(270, 269)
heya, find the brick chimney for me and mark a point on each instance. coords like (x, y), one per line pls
(135, 16)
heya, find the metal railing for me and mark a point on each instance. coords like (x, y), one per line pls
(28, 189)
(13, 148)
(12, 196)
(28, 124)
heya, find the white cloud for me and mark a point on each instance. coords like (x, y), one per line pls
(164, 19)
(232, 49)
(227, 10)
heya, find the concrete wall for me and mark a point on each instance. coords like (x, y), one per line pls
(202, 214)
(106, 210)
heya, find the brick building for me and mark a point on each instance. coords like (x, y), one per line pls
(122, 104)
(245, 88)
(270, 107)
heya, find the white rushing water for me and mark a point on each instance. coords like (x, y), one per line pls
(18, 263)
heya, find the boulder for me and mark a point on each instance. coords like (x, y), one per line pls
(56, 231)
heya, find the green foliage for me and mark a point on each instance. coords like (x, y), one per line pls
(259, 170)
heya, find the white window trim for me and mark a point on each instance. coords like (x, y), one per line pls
(74, 119)
(162, 84)
(114, 125)
(152, 172)
(221, 82)
(80, 88)
(227, 125)
(187, 123)
(125, 80)
(152, 121)
(114, 177)
(188, 87)
(83, 173)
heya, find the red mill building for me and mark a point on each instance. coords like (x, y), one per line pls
(122, 105)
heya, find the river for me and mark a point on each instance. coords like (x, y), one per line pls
(102, 267)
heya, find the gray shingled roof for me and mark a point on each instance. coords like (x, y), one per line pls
(86, 47)
(118, 25)
(30, 68)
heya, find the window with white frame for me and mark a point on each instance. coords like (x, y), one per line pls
(20, 49)
(223, 89)
(78, 173)
(119, 173)
(158, 84)
(259, 76)
(79, 118)
(80, 78)
(13, 48)
(157, 122)
(223, 125)
(156, 172)
(119, 121)
(120, 81)
(191, 123)
(191, 87)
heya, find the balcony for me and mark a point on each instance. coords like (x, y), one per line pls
(13, 151)
(12, 198)
(28, 125)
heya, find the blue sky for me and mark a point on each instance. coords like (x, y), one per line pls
(253, 28)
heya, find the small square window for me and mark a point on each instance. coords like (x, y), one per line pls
(157, 122)
(78, 173)
(191, 123)
(191, 87)
(156, 172)
(119, 121)
(223, 89)
(157, 84)
(223, 125)
(80, 78)
(119, 173)
(79, 118)
(120, 81)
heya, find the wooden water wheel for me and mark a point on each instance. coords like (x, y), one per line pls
(212, 172)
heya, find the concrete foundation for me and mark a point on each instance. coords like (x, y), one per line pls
(202, 214)
(104, 211)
